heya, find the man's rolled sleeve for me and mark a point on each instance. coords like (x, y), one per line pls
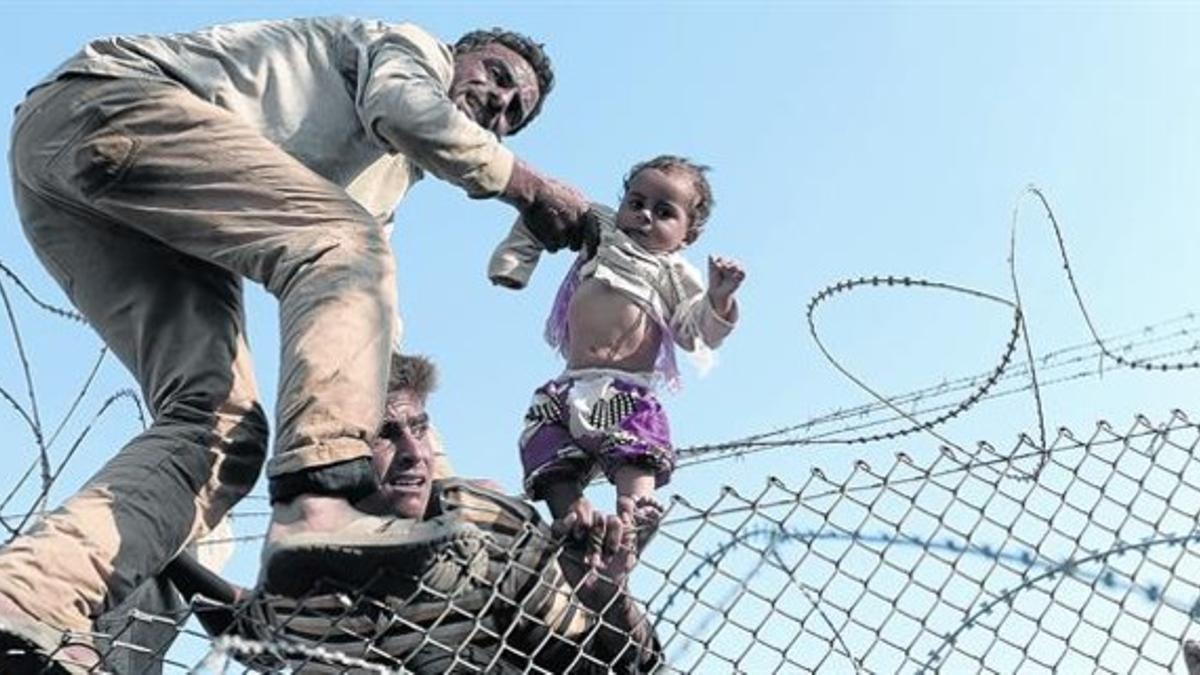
(404, 104)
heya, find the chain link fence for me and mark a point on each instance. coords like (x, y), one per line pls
(939, 566)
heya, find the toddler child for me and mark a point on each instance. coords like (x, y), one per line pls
(616, 319)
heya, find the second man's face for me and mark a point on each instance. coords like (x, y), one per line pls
(402, 456)
(494, 86)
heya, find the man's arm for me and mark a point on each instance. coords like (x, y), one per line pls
(192, 579)
(553, 211)
(404, 105)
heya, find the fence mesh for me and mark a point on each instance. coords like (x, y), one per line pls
(943, 565)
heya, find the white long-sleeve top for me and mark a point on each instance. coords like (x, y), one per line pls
(666, 285)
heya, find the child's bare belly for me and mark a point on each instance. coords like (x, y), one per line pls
(609, 330)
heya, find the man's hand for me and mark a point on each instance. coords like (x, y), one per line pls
(586, 530)
(556, 226)
(599, 555)
(601, 586)
(724, 278)
(553, 211)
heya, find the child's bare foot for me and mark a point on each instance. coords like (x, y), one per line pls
(642, 514)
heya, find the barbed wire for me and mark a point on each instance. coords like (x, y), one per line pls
(30, 414)
(1185, 327)
(699, 454)
(979, 388)
(954, 411)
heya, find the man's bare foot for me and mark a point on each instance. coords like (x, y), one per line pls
(311, 514)
(316, 541)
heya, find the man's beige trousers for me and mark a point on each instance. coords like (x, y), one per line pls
(149, 206)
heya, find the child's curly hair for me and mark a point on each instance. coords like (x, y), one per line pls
(700, 210)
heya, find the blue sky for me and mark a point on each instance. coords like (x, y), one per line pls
(845, 139)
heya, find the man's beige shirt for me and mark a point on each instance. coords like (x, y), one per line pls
(362, 103)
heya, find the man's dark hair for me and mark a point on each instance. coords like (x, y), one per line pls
(415, 374)
(533, 52)
(702, 208)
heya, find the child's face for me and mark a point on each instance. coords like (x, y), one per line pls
(656, 210)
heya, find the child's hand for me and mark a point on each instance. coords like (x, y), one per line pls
(724, 278)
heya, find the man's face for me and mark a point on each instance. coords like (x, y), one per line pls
(494, 86)
(402, 455)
